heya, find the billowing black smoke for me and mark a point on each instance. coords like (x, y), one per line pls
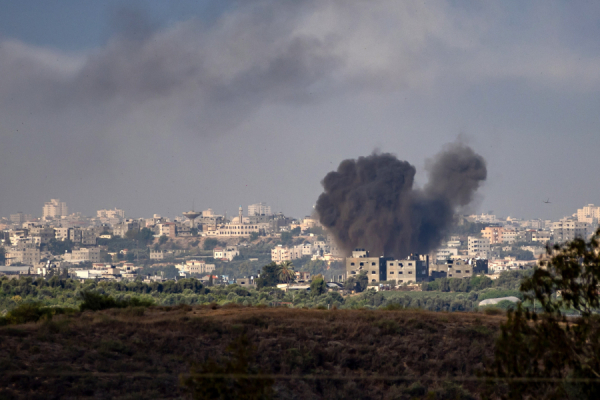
(371, 203)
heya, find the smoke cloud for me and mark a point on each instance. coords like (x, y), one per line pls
(371, 203)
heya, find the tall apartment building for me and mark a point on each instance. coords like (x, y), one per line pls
(589, 214)
(55, 209)
(478, 247)
(259, 209)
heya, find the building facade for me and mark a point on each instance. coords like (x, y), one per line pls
(55, 209)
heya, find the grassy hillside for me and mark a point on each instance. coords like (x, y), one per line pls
(142, 353)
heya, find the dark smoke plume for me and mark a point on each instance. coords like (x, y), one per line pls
(371, 203)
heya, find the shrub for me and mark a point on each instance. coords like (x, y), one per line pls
(95, 302)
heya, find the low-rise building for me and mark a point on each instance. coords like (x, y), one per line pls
(478, 247)
(414, 268)
(90, 254)
(374, 267)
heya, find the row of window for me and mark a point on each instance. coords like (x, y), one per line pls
(400, 272)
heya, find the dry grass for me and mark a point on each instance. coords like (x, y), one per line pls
(137, 353)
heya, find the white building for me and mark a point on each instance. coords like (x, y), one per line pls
(589, 214)
(196, 267)
(478, 247)
(444, 254)
(110, 214)
(280, 253)
(227, 253)
(259, 209)
(91, 254)
(55, 209)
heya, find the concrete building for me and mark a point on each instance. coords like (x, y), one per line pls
(589, 214)
(90, 254)
(228, 253)
(301, 250)
(493, 234)
(61, 233)
(459, 268)
(568, 229)
(510, 236)
(45, 233)
(446, 253)
(414, 268)
(168, 229)
(111, 214)
(375, 267)
(280, 253)
(478, 247)
(24, 253)
(196, 267)
(55, 209)
(259, 209)
(541, 236)
(238, 230)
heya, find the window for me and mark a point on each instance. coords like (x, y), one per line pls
(400, 280)
(373, 280)
(410, 272)
(449, 274)
(361, 264)
(467, 271)
(400, 272)
(391, 272)
(458, 271)
(352, 264)
(373, 272)
(391, 264)
(353, 272)
(372, 263)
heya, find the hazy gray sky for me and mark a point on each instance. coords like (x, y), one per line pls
(148, 106)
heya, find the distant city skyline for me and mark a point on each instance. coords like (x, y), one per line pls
(147, 106)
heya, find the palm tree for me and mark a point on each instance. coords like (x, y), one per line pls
(286, 272)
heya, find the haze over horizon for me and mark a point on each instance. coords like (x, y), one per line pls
(151, 106)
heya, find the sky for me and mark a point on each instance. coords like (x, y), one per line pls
(156, 107)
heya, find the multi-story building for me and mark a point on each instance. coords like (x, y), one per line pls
(280, 253)
(414, 268)
(228, 253)
(111, 214)
(541, 236)
(259, 209)
(478, 247)
(45, 233)
(128, 225)
(493, 234)
(510, 236)
(55, 209)
(459, 268)
(239, 230)
(568, 229)
(91, 254)
(197, 267)
(168, 229)
(446, 253)
(24, 253)
(374, 267)
(301, 250)
(589, 214)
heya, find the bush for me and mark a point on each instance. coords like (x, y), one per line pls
(31, 312)
(95, 302)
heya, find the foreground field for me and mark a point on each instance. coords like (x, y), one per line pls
(142, 353)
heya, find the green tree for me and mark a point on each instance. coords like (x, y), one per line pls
(269, 276)
(548, 355)
(286, 272)
(210, 244)
(253, 236)
(145, 236)
(318, 286)
(58, 247)
(163, 239)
